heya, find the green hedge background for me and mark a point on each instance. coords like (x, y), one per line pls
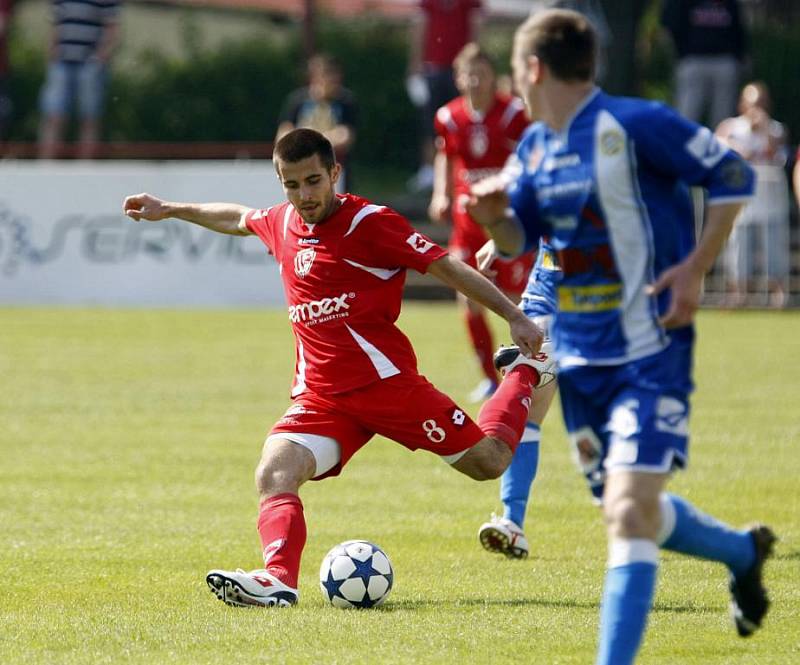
(233, 90)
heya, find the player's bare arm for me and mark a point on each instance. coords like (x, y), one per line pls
(219, 217)
(488, 205)
(442, 179)
(457, 274)
(685, 280)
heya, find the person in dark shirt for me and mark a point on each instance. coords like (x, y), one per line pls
(326, 106)
(711, 45)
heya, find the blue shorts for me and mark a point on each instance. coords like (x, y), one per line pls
(68, 81)
(633, 416)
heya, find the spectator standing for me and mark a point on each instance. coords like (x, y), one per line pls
(711, 46)
(5, 97)
(85, 33)
(441, 30)
(326, 106)
(762, 229)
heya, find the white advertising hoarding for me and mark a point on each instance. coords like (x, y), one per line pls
(65, 241)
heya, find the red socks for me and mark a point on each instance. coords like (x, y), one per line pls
(504, 414)
(282, 528)
(481, 337)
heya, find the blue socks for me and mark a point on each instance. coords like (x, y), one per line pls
(687, 530)
(627, 596)
(515, 484)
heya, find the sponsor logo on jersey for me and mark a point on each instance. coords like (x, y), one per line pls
(308, 241)
(319, 311)
(303, 260)
(419, 242)
(611, 142)
(597, 298)
(478, 141)
(561, 162)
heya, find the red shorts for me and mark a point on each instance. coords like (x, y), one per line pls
(405, 408)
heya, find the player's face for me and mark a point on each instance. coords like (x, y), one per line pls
(477, 79)
(521, 71)
(309, 187)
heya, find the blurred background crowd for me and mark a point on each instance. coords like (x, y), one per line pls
(193, 79)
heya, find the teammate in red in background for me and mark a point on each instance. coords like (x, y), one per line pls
(476, 134)
(343, 262)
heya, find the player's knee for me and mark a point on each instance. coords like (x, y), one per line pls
(276, 474)
(625, 517)
(632, 517)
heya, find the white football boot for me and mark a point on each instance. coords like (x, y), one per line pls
(508, 357)
(258, 588)
(504, 537)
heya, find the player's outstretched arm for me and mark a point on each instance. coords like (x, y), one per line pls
(471, 283)
(219, 217)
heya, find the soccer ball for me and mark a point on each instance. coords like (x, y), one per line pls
(356, 573)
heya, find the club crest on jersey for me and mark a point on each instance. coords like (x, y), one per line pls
(419, 242)
(478, 141)
(303, 260)
(611, 142)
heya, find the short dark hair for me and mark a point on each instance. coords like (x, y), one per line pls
(563, 40)
(300, 144)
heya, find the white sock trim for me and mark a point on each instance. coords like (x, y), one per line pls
(668, 518)
(623, 551)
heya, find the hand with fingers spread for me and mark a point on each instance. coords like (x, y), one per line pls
(685, 281)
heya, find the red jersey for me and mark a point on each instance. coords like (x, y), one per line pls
(343, 280)
(447, 31)
(478, 146)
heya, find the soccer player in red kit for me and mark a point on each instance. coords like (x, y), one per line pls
(343, 261)
(476, 133)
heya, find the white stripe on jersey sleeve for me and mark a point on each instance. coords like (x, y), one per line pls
(383, 366)
(361, 214)
(300, 377)
(382, 273)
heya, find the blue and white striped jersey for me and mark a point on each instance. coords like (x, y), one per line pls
(610, 192)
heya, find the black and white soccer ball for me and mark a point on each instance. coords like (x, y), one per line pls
(356, 573)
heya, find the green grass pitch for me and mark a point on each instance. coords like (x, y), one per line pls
(128, 441)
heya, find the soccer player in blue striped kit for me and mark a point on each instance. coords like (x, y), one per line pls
(606, 180)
